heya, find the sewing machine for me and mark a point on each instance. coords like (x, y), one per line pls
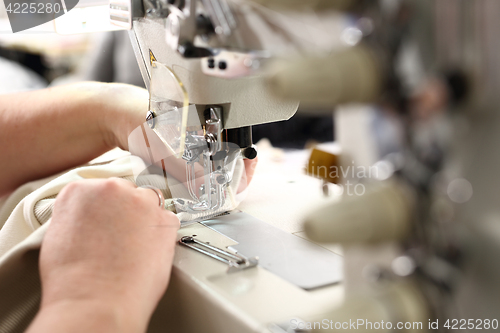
(202, 62)
(229, 65)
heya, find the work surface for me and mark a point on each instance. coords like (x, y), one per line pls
(281, 194)
(204, 297)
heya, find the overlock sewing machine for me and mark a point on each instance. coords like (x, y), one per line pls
(420, 243)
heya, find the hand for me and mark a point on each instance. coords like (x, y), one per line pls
(66, 126)
(250, 166)
(109, 247)
(125, 108)
(145, 143)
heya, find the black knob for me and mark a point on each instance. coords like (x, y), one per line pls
(222, 65)
(250, 152)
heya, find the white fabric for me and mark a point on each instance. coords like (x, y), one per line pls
(21, 221)
(30, 206)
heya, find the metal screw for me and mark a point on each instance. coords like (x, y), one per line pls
(221, 179)
(150, 119)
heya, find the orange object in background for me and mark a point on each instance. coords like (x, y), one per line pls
(323, 165)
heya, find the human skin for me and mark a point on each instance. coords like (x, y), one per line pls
(47, 131)
(106, 258)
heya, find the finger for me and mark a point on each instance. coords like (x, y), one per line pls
(250, 166)
(172, 219)
(155, 196)
(124, 182)
(177, 168)
(243, 183)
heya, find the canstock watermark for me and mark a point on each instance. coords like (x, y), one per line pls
(367, 325)
(27, 14)
(357, 324)
(349, 176)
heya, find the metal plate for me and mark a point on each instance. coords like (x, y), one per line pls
(294, 259)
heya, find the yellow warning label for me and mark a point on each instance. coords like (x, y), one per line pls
(152, 58)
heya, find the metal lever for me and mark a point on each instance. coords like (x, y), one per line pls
(236, 262)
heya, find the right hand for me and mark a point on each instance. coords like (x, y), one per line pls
(108, 241)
